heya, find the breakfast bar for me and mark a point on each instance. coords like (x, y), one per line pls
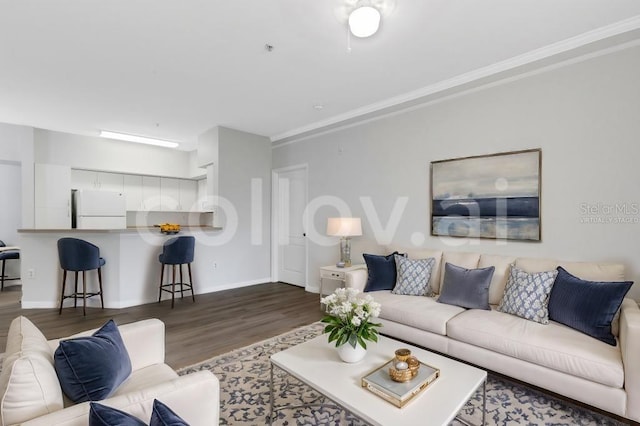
(131, 273)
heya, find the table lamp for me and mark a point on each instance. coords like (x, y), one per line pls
(344, 227)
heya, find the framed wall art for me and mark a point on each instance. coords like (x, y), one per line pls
(489, 196)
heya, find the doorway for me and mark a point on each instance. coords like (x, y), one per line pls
(11, 216)
(289, 242)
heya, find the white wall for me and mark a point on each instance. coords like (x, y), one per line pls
(95, 153)
(16, 148)
(584, 116)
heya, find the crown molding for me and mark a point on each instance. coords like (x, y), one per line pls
(555, 49)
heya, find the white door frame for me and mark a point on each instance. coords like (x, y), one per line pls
(275, 197)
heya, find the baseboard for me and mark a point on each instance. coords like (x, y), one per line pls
(128, 303)
(231, 286)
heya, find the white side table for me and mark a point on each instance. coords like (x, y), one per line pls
(332, 272)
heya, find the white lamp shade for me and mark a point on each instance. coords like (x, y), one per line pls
(364, 21)
(344, 226)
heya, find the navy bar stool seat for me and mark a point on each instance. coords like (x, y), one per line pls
(177, 251)
(78, 255)
(4, 256)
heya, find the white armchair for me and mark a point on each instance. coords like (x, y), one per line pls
(194, 397)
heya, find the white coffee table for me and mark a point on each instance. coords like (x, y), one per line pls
(316, 363)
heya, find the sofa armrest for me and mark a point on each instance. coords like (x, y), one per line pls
(630, 348)
(356, 279)
(194, 397)
(144, 341)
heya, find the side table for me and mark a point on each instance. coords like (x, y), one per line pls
(332, 272)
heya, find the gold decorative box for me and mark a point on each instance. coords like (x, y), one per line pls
(169, 228)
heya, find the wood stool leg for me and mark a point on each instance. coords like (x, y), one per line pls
(161, 280)
(181, 283)
(100, 283)
(64, 282)
(173, 287)
(75, 292)
(84, 293)
(2, 276)
(191, 282)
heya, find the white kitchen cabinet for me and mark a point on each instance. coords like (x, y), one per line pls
(151, 193)
(100, 181)
(132, 189)
(83, 179)
(204, 204)
(110, 181)
(170, 193)
(188, 195)
(52, 185)
(178, 194)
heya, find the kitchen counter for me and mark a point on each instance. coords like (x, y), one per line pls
(132, 229)
(131, 274)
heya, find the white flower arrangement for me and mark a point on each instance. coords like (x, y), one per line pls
(348, 317)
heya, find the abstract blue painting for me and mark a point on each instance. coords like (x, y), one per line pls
(490, 196)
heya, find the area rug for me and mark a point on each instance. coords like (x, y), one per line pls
(244, 394)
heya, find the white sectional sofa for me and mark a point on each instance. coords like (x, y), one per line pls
(551, 356)
(30, 393)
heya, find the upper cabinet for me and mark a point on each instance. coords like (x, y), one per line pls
(143, 193)
(151, 195)
(102, 181)
(178, 194)
(132, 189)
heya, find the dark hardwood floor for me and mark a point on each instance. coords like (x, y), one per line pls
(216, 323)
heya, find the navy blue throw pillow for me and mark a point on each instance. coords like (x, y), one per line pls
(381, 270)
(101, 415)
(90, 368)
(467, 288)
(164, 416)
(586, 306)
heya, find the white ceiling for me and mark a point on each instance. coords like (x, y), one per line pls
(173, 69)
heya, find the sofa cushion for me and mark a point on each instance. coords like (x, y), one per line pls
(381, 272)
(91, 368)
(102, 415)
(500, 274)
(146, 378)
(587, 306)
(422, 312)
(527, 294)
(467, 288)
(554, 345)
(594, 271)
(164, 416)
(413, 276)
(23, 335)
(29, 386)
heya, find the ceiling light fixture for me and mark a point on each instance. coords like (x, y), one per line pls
(364, 20)
(138, 139)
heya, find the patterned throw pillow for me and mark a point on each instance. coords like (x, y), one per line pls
(527, 294)
(413, 276)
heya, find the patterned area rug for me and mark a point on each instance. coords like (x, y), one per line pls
(244, 394)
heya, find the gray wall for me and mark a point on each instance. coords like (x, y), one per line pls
(244, 157)
(584, 116)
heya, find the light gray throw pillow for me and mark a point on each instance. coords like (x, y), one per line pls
(467, 288)
(527, 294)
(413, 276)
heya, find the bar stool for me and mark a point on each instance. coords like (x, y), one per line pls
(177, 251)
(79, 255)
(4, 256)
